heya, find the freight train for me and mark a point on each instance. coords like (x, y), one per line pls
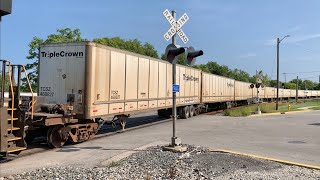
(83, 85)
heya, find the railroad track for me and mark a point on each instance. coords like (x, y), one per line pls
(137, 122)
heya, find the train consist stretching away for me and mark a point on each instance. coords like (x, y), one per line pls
(83, 85)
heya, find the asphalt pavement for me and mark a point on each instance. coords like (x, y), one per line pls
(290, 137)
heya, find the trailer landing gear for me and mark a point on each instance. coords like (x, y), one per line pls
(121, 119)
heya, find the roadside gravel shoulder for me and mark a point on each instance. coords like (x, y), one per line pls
(197, 163)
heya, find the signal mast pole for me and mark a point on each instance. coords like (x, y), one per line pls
(297, 84)
(174, 96)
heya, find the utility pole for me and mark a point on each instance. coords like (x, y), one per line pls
(277, 101)
(174, 96)
(297, 86)
(285, 80)
(278, 43)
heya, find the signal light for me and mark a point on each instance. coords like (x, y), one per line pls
(251, 86)
(192, 54)
(5, 7)
(172, 52)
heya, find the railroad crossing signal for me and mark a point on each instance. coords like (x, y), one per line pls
(172, 51)
(259, 77)
(175, 26)
(5, 7)
(191, 55)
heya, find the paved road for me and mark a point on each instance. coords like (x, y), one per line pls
(292, 137)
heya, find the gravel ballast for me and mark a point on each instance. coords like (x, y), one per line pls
(197, 163)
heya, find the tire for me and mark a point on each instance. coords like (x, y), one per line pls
(184, 112)
(191, 111)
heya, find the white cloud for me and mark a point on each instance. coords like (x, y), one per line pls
(294, 28)
(294, 39)
(247, 55)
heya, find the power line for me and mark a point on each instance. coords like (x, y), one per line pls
(310, 50)
(301, 72)
(309, 77)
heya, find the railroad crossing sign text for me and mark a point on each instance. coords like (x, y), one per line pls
(175, 26)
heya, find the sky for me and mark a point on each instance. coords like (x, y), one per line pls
(239, 34)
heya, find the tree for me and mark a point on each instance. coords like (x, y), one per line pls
(62, 35)
(273, 83)
(215, 68)
(308, 85)
(202, 67)
(129, 45)
(239, 75)
(265, 79)
(290, 85)
(294, 81)
(181, 59)
(6, 83)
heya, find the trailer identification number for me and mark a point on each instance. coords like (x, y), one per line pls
(114, 94)
(46, 91)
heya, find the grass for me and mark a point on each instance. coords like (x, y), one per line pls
(270, 108)
(316, 108)
(114, 164)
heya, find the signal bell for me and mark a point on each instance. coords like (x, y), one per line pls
(192, 54)
(172, 51)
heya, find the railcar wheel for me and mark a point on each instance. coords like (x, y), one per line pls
(184, 112)
(161, 113)
(28, 137)
(54, 137)
(191, 111)
(196, 111)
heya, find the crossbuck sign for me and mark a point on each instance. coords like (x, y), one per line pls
(175, 26)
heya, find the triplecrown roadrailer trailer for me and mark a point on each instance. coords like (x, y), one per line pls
(83, 85)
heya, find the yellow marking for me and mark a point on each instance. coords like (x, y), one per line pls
(14, 139)
(12, 119)
(292, 112)
(12, 109)
(15, 150)
(13, 129)
(269, 159)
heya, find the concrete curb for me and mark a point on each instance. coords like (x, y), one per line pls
(269, 159)
(279, 113)
(129, 153)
